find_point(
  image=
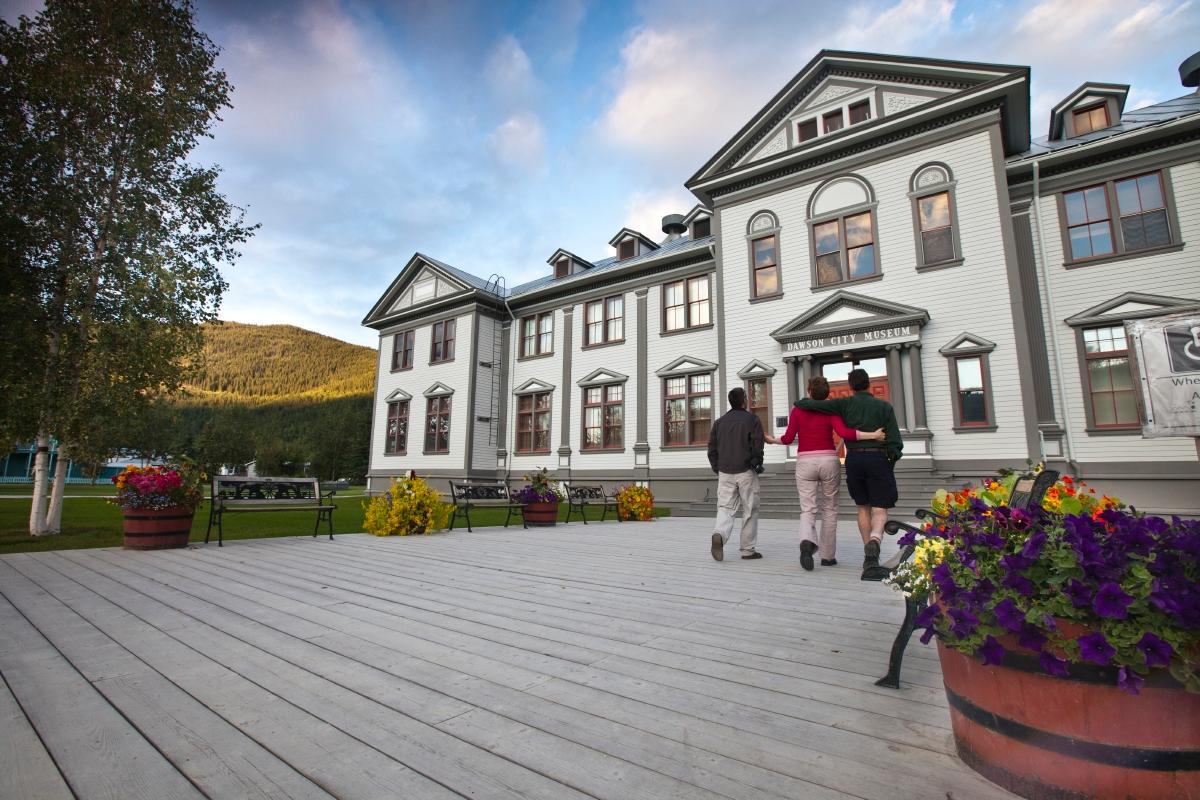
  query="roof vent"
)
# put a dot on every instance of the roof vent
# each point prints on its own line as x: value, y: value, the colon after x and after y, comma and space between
x: 673, y: 227
x: 1189, y: 70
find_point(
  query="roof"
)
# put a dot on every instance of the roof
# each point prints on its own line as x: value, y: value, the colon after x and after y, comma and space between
x: 673, y: 247
x: 1131, y: 121
x: 624, y: 232
x: 473, y: 281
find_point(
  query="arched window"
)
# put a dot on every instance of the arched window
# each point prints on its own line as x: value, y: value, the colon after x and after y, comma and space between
x: 935, y: 217
x: 765, y: 274
x: 844, y: 232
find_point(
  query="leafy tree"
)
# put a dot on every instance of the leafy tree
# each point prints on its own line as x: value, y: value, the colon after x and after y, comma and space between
x: 227, y: 439
x: 111, y: 238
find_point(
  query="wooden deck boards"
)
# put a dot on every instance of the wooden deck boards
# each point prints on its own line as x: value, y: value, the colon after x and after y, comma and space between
x: 608, y: 661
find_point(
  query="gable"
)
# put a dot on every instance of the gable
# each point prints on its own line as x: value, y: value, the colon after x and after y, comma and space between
x: 847, y: 319
x: 424, y: 281
x: 426, y: 285
x: 756, y: 369
x: 601, y: 376
x: 686, y: 365
x: 533, y: 386
x: 1131, y: 305
x: 967, y: 344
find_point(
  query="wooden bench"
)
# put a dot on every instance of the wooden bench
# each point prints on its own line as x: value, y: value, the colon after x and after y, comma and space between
x: 580, y: 497
x: 1027, y: 492
x: 234, y: 494
x: 482, y: 494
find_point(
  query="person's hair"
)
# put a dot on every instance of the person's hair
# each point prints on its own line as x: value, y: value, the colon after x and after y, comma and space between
x: 818, y: 387
x: 859, y: 380
x: 737, y: 397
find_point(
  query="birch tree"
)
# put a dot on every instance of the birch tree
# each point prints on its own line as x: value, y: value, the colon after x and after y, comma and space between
x: 112, y: 239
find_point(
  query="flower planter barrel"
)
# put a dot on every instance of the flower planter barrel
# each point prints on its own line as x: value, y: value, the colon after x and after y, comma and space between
x: 157, y: 528
x: 1077, y: 738
x: 542, y: 513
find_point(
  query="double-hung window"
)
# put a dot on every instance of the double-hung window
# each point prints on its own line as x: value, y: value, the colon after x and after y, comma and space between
x: 687, y: 410
x: 604, y: 322
x: 1086, y: 120
x: 604, y: 417
x: 396, y: 435
x: 1112, y: 399
x: 844, y: 249
x: 1118, y: 217
x: 437, y: 424
x: 686, y: 304
x: 533, y: 423
x: 537, y: 335
x: 1089, y: 226
x: 442, y: 347
x: 758, y: 400
x: 970, y: 391
x: 403, y: 344
x: 1143, y: 212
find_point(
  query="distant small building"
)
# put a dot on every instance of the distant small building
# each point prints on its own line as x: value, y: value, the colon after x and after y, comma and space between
x: 17, y: 466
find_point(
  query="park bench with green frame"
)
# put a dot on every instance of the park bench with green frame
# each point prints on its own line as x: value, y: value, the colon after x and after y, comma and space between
x: 233, y: 494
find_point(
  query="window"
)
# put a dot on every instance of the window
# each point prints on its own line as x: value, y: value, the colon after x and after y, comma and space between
x: 533, y: 423
x: 766, y: 266
x: 626, y: 249
x: 758, y: 401
x: 860, y: 112
x: 1143, y: 220
x: 686, y: 304
x: 701, y: 228
x: 537, y: 335
x: 1091, y: 119
x: 437, y: 425
x: 687, y: 410
x: 1088, y: 226
x: 395, y: 440
x: 1111, y: 396
x: 604, y: 417
x: 1143, y: 212
x: 845, y: 249
x: 937, y: 239
x: 562, y: 268
x: 442, y: 348
x: 969, y: 391
x: 832, y: 121
x: 605, y: 321
x: 402, y: 350
x: 806, y: 130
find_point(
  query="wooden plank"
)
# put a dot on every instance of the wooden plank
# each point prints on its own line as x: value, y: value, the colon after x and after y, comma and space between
x: 26, y: 769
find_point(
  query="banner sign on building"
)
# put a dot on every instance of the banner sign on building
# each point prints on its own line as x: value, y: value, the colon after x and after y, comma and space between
x: 1166, y: 354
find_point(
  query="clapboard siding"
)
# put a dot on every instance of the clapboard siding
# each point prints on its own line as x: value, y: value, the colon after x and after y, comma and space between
x: 620, y: 358
x: 547, y: 370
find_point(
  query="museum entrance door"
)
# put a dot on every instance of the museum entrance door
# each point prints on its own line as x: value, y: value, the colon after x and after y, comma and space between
x: 837, y: 372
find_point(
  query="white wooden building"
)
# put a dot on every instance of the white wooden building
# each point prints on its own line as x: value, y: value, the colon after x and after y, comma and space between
x: 900, y: 214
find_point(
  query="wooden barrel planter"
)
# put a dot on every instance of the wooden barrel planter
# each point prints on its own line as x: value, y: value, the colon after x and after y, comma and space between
x: 157, y: 528
x: 542, y: 513
x: 1074, y: 738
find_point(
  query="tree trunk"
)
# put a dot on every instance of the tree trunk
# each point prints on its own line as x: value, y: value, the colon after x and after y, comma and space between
x: 54, y: 513
x: 41, y: 466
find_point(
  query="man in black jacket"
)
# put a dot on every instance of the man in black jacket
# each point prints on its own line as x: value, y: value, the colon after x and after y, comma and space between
x: 735, y: 451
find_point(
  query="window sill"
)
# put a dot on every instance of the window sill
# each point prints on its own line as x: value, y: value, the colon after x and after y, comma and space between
x: 400, y: 369
x: 1146, y: 251
x: 830, y: 286
x: 531, y: 452
x: 598, y: 345
x: 692, y: 329
x: 974, y: 428
x: 1133, y: 430
x: 535, y: 357
x: 954, y: 262
x: 673, y: 447
x: 590, y: 450
x: 443, y: 361
x: 396, y: 453
x: 766, y: 298
x: 435, y: 452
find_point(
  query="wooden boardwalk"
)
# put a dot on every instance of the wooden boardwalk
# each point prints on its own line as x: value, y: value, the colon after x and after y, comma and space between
x: 606, y: 661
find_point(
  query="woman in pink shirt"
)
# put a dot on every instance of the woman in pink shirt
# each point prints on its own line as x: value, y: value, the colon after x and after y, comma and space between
x: 818, y: 472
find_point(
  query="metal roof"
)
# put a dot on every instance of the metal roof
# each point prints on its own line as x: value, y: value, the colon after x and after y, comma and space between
x: 473, y: 281
x: 680, y: 245
x: 1131, y: 121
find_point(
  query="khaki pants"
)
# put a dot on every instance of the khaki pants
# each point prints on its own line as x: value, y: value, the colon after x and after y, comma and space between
x: 817, y: 480
x: 738, y: 493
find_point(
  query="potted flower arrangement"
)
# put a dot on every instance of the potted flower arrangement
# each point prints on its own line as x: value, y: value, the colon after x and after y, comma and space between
x: 635, y: 503
x: 158, y: 504
x: 1069, y: 638
x: 540, y: 498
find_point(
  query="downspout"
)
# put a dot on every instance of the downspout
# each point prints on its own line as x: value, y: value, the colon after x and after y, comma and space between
x: 1064, y: 407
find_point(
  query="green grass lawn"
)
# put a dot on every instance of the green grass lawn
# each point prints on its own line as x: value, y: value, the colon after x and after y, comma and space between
x: 88, y: 520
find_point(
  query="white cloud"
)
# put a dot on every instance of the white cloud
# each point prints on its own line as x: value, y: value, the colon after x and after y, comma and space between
x: 508, y: 71
x: 900, y: 26
x: 519, y: 142
x: 647, y: 208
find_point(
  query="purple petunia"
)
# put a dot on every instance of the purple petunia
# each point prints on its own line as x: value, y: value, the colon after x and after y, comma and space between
x: 991, y: 651
x: 1008, y: 615
x: 965, y: 622
x: 1031, y: 637
x: 1157, y: 652
x: 1033, y: 546
x: 1129, y: 681
x: 1078, y: 593
x: 1053, y: 665
x: 1020, y: 583
x: 1112, y: 602
x: 928, y: 634
x: 1095, y: 648
x: 926, y: 616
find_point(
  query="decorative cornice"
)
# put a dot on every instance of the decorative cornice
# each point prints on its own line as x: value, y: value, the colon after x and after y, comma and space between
x: 756, y: 369
x: 1102, y: 313
x: 600, y: 377
x: 438, y: 389
x: 967, y: 344
x: 532, y: 386
x: 686, y: 365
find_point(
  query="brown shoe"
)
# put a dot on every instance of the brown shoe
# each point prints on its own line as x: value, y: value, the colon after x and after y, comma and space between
x: 718, y: 547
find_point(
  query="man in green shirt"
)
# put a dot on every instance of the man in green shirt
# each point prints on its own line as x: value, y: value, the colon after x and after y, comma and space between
x: 869, y: 474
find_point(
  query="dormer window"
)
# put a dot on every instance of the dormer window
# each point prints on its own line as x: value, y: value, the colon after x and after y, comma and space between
x: 1090, y: 119
x: 626, y: 249
x: 562, y: 267
x: 702, y: 227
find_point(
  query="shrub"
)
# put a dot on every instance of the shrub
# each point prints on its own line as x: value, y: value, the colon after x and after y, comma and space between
x: 635, y: 502
x: 410, y: 506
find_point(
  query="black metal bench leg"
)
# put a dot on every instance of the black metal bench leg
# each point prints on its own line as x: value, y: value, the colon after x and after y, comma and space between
x: 583, y: 512
x: 892, y: 679
x: 211, y: 508
x: 317, y: 524
x: 329, y: 519
x: 467, y: 515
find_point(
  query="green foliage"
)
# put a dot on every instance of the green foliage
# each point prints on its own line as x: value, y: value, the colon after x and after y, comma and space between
x: 410, y: 506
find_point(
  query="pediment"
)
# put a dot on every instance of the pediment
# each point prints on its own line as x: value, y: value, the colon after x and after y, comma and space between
x: 422, y: 281
x: 967, y: 344
x: 399, y: 394
x: 1131, y: 305
x: 756, y: 369
x: 686, y: 365
x: 438, y: 389
x: 601, y: 376
x: 844, y: 312
x: 534, y: 386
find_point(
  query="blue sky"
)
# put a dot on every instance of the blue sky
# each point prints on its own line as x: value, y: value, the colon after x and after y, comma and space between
x: 488, y: 134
